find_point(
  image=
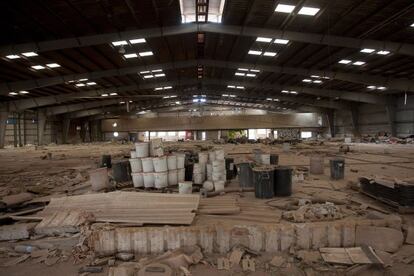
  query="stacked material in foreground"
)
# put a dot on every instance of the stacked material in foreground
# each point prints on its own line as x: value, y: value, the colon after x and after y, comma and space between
x: 129, y: 207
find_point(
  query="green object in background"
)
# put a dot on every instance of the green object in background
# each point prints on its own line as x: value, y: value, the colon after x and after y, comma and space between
x: 235, y: 134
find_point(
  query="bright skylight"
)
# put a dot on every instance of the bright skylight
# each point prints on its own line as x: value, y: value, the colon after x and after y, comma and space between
x: 281, y: 41
x: 251, y: 75
x: 284, y: 8
x: 13, y: 56
x: 52, y: 65
x: 29, y: 54
x: 148, y: 76
x: 371, y: 87
x: 120, y: 43
x: 412, y: 25
x: 159, y: 75
x: 80, y: 84
x: 359, y: 63
x: 344, y: 61
x: 133, y: 55
x: 13, y: 94
x: 240, y: 74
x: 91, y: 83
x: 269, y: 54
x: 256, y: 53
x: 255, y: 70
x: 308, y: 11
x: 104, y: 95
x: 38, y: 67
x: 137, y: 41
x: 113, y: 94
x: 263, y: 39
x: 383, y: 52
x: 368, y: 51
x: 145, y: 54
x: 242, y: 69
x: 24, y: 92
x: 317, y: 81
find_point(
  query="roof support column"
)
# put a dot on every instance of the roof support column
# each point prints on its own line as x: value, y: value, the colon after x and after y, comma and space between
x: 4, y: 115
x: 391, y: 119
x: 41, y: 127
x: 65, y: 130
x: 355, y: 121
x: 330, y: 116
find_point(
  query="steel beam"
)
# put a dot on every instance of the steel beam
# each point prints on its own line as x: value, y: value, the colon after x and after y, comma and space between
x: 312, y: 38
x: 56, y: 110
x: 4, y: 115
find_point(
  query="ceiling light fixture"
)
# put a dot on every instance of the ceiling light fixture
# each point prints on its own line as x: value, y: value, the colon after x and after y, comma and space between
x: 91, y: 83
x: 104, y: 95
x: 137, y: 41
x: 284, y: 8
x: 383, y: 52
x: 281, y: 41
x: 263, y: 39
x: 113, y: 94
x: 24, y: 92
x: 344, y: 61
x: 133, y: 55
x: 30, y: 54
x: 13, y: 56
x: 269, y: 54
x: 80, y: 84
x: 367, y: 50
x: 358, y: 63
x: 13, y: 93
x: 120, y: 43
x: 251, y: 75
x: 52, y: 65
x: 253, y: 52
x: 239, y: 74
x: 145, y: 54
x: 308, y: 11
x: 38, y: 67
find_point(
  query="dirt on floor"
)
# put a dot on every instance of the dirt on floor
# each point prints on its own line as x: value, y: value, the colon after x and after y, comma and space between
x: 53, y: 170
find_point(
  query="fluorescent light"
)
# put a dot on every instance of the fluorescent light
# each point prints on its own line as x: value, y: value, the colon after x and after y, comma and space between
x: 412, y: 25
x: 383, y: 52
x: 240, y: 74
x: 276, y: 100
x: 91, y: 83
x: 232, y: 96
x: 159, y: 75
x: 281, y: 41
x: 145, y: 54
x: 30, y: 54
x: 12, y: 56
x: 251, y: 75
x: 269, y: 54
x: 255, y: 70
x: 104, y: 95
x: 306, y: 80
x: 315, y: 76
x: 359, y: 63
x: 269, y: 99
x: 372, y: 87
x: 284, y: 8
x: 382, y: 88
x: 263, y: 39
x: 133, y: 55
x: 225, y: 95
x: 119, y: 43
x: 173, y: 96
x: 148, y: 76
x: 121, y: 102
x: 38, y: 67
x: 317, y: 81
x: 144, y: 72
x: 285, y: 91
x: 256, y: 53
x: 344, y: 61
x: 368, y: 51
x: 13, y: 93
x: 231, y: 86
x: 137, y: 41
x: 293, y: 92
x: 167, y: 87
x: 240, y: 87
x: 80, y: 84
x: 177, y: 102
x: 308, y: 11
x: 242, y: 69
x: 82, y: 79
x: 52, y: 65
x: 113, y: 94
x: 156, y: 70
x: 24, y: 92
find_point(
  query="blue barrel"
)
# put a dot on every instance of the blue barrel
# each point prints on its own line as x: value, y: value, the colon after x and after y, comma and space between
x: 263, y: 182
x: 337, y: 165
x: 245, y: 174
x: 283, y: 181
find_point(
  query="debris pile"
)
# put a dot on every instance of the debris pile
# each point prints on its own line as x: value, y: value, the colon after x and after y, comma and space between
x: 314, y: 212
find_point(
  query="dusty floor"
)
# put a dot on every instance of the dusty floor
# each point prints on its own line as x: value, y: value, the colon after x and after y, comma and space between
x: 29, y: 169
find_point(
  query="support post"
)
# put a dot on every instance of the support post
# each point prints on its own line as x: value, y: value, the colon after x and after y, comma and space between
x: 41, y: 127
x: 355, y: 121
x: 4, y: 115
x: 65, y: 130
x: 330, y: 115
x: 391, y: 110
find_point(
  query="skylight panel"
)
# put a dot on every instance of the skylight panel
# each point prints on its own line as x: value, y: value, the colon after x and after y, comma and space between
x: 263, y: 39
x: 308, y: 11
x: 317, y: 81
x: 156, y: 70
x: 359, y: 63
x: 383, y: 52
x: 285, y: 91
x: 231, y: 86
x: 371, y: 87
x: 38, y: 67
x: 144, y: 72
x: 145, y: 54
x: 255, y: 70
x: 240, y: 87
x: 284, y: 8
x: 382, y: 88
x: 253, y: 52
x: 52, y: 65
x: 13, y: 94
x: 412, y: 25
x: 23, y: 92
x: 91, y: 83
x: 137, y: 41
x: 269, y: 54
x: 159, y: 88
x: 12, y: 56
x: 148, y: 76
x: 242, y: 69
x: 251, y: 75
x: 293, y: 92
x: 239, y: 74
x: 80, y: 84
x: 306, y: 80
x: 168, y: 87
x: 120, y: 43
x: 281, y: 41
x: 104, y: 95
x: 159, y: 75
x: 113, y: 94
x: 30, y: 54
x: 344, y: 61
x: 132, y: 55
x: 367, y: 50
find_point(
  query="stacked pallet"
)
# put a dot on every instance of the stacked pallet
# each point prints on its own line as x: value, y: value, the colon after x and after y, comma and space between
x: 128, y: 207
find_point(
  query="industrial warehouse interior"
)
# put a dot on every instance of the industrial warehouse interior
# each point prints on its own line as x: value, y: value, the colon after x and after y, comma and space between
x: 206, y: 137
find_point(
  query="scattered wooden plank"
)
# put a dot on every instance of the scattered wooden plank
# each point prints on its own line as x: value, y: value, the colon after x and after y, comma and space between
x: 24, y: 212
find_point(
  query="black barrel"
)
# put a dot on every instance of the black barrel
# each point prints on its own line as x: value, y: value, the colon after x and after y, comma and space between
x: 263, y: 182
x: 283, y: 181
x: 245, y: 174
x: 189, y: 172
x: 274, y: 159
x: 229, y: 168
x: 106, y: 161
x: 337, y: 165
x: 121, y: 171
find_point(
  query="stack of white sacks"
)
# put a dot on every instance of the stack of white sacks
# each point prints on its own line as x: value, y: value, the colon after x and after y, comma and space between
x: 210, y: 171
x: 152, y: 169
